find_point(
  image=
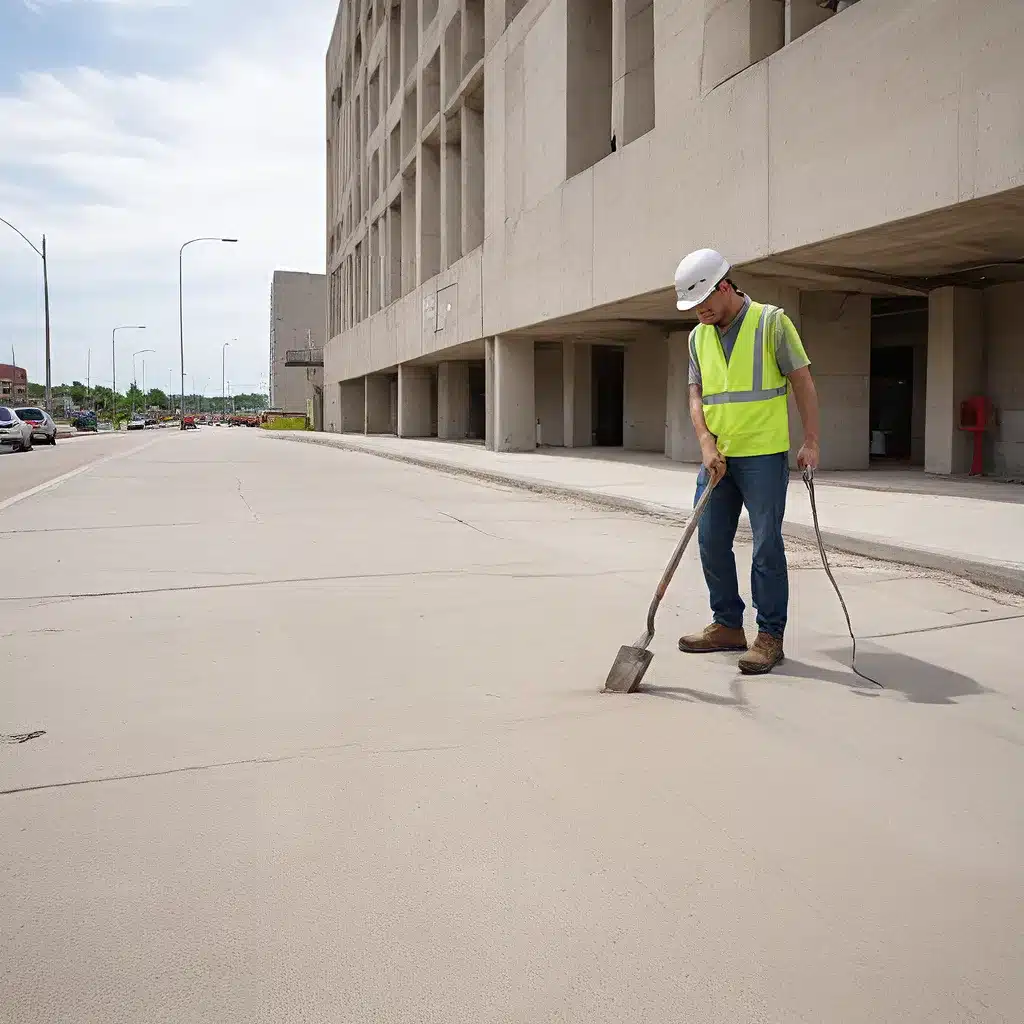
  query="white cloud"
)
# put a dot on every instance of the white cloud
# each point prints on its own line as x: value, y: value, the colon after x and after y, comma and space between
x: 120, y: 170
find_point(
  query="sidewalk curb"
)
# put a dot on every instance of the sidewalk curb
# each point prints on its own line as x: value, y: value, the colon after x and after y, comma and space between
x: 984, y: 574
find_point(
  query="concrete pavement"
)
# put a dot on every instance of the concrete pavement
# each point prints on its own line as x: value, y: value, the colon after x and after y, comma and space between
x: 970, y: 528
x: 324, y: 742
x: 21, y: 471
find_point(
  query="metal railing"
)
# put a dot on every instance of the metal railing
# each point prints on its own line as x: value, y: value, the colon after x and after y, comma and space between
x: 304, y: 357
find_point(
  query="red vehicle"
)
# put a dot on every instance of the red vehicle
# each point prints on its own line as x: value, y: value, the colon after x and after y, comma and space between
x: 189, y: 423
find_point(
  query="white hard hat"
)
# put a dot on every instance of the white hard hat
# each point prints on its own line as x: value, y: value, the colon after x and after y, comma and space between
x: 697, y: 276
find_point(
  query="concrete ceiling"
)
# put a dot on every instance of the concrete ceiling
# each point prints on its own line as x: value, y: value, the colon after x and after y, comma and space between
x: 978, y: 243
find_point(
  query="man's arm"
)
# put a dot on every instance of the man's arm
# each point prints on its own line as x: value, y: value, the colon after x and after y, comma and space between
x: 711, y: 457
x: 807, y: 405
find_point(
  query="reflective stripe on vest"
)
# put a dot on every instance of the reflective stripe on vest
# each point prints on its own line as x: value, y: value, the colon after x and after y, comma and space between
x: 747, y: 417
x: 755, y: 394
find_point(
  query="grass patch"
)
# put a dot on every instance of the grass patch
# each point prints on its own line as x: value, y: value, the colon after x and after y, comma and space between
x: 286, y: 423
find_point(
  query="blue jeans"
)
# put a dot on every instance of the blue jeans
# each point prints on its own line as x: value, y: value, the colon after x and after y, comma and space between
x: 759, y: 482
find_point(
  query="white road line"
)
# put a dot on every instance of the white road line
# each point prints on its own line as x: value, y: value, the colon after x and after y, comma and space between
x: 58, y: 480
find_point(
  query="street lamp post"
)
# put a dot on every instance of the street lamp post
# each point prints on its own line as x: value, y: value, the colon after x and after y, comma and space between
x: 41, y: 253
x: 181, y: 311
x: 113, y: 366
x: 134, y: 354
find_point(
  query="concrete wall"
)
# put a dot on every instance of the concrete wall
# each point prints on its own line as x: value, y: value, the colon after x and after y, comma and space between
x: 645, y: 372
x: 298, y: 319
x: 1005, y: 376
x: 847, y: 127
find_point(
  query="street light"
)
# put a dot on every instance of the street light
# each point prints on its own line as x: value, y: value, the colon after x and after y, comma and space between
x: 41, y: 253
x: 113, y: 366
x: 223, y: 392
x: 134, y: 354
x: 181, y: 318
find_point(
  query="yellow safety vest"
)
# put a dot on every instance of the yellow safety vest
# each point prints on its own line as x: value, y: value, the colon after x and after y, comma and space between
x: 745, y: 398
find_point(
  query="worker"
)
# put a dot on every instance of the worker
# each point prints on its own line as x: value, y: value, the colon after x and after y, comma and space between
x: 744, y: 359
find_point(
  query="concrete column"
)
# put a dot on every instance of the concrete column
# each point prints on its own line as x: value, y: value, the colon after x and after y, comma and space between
x: 956, y: 370
x: 737, y: 34
x: 414, y: 394
x: 802, y: 16
x: 377, y: 407
x: 515, y: 416
x: 1004, y: 366
x: 453, y: 401
x: 836, y: 330
x: 472, y: 177
x: 680, y: 440
x: 352, y: 405
x: 583, y: 398
x: 548, y: 392
x: 569, y: 394
x: 490, y: 438
x: 645, y: 377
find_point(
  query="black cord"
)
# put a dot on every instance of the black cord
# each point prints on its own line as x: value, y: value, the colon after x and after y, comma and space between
x: 809, y: 481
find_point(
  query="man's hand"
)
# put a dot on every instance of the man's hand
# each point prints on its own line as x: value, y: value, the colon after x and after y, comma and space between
x: 712, y: 458
x: 809, y: 455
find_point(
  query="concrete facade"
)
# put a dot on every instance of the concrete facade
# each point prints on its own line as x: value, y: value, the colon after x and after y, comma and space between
x: 297, y: 321
x: 505, y: 174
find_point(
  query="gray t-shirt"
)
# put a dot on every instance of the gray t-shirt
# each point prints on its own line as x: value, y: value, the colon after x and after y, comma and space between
x: 786, y: 344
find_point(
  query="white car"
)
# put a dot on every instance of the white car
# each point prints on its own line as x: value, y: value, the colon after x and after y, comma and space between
x: 137, y: 423
x: 14, y: 431
x: 41, y: 423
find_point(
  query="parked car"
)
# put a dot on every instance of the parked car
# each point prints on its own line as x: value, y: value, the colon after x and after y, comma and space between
x: 189, y: 423
x: 41, y: 422
x: 14, y: 431
x: 137, y: 423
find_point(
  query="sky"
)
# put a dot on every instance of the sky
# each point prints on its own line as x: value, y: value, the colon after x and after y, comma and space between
x: 128, y: 127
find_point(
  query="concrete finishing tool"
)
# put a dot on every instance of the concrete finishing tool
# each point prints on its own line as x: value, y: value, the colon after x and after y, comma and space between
x: 631, y: 663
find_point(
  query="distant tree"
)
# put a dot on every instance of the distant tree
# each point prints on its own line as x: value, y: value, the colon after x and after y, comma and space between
x: 157, y: 399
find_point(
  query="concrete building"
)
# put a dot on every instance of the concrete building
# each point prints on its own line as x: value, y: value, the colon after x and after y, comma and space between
x: 13, y: 385
x: 298, y: 303
x: 512, y: 182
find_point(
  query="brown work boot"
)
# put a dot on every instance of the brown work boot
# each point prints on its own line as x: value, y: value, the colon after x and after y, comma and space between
x: 715, y: 637
x: 765, y: 653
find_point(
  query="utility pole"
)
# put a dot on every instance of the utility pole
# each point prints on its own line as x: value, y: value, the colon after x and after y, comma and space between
x: 46, y: 301
x: 181, y: 311
x: 46, y: 307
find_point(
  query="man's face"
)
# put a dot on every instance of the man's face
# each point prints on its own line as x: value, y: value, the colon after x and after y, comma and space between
x: 715, y: 308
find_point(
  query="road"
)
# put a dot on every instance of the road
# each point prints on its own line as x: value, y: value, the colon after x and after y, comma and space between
x: 324, y: 742
x: 21, y: 471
